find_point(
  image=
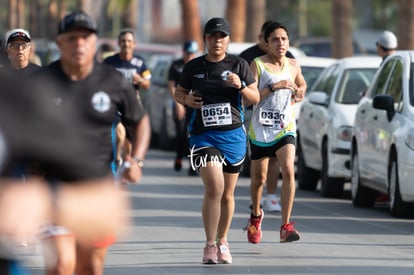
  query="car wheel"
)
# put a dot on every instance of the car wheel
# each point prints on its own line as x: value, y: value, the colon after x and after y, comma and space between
x: 307, y: 177
x: 330, y: 187
x: 398, y: 207
x: 361, y: 196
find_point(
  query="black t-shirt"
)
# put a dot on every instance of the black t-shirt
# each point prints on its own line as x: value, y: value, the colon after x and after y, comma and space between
x: 254, y: 51
x: 25, y: 72
x: 32, y: 130
x: 207, y: 79
x: 251, y: 53
x: 128, y: 68
x: 175, y: 70
x: 101, y: 100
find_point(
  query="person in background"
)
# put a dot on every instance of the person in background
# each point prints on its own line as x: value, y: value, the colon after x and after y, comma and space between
x: 131, y: 65
x: 214, y: 87
x: 190, y: 50
x: 134, y: 69
x: 18, y: 47
x: 386, y: 44
x: 272, y: 129
x: 105, y: 50
x: 99, y: 94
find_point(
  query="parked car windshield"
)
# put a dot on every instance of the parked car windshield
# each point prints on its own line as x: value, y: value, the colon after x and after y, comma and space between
x: 353, y: 85
x: 311, y: 74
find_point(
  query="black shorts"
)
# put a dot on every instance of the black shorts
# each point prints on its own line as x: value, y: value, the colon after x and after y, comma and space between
x: 258, y: 152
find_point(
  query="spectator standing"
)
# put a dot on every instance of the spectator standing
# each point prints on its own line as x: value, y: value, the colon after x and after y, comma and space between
x: 219, y: 83
x: 386, y: 44
x: 190, y: 50
x: 100, y: 94
x: 272, y: 130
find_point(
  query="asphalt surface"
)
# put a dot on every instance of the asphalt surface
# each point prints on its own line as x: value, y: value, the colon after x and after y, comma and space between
x: 167, y: 235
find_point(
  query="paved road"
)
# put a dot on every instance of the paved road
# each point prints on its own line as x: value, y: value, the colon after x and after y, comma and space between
x: 167, y: 234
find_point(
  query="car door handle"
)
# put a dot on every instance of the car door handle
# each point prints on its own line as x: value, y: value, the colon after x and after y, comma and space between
x: 311, y: 115
x: 363, y: 111
x: 375, y: 117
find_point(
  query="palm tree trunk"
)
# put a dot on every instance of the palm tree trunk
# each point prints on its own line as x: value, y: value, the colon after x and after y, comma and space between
x: 406, y: 24
x: 12, y: 14
x: 53, y: 18
x: 130, y: 14
x: 255, y: 17
x: 342, y: 34
x: 191, y: 21
x: 236, y: 15
x: 21, y: 12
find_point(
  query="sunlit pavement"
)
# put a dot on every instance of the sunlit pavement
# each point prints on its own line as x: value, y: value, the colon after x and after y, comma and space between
x: 167, y: 236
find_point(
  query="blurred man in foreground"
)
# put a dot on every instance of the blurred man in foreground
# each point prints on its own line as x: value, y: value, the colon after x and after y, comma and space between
x: 32, y: 129
x: 102, y: 98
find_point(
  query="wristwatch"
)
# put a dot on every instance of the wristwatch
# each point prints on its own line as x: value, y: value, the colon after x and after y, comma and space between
x: 270, y: 87
x: 138, y: 161
x: 243, y: 85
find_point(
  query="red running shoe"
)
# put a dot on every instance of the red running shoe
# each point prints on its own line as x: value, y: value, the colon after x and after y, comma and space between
x: 254, y: 229
x: 288, y: 233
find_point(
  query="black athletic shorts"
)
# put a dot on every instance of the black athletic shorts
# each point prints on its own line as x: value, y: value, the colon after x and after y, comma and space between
x: 258, y: 152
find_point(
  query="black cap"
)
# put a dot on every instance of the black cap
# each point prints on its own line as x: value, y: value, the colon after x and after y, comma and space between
x: 77, y: 20
x: 217, y: 24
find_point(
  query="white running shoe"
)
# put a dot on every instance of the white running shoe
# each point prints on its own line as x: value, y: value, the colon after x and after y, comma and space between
x: 272, y: 204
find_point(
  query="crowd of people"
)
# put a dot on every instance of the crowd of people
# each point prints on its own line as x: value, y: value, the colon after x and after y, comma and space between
x: 65, y: 164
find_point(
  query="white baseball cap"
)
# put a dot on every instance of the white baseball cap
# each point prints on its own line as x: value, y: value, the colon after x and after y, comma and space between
x: 15, y: 33
x: 388, y: 40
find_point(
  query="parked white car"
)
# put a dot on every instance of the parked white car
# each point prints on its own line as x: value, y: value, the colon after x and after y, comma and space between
x: 383, y: 140
x: 312, y: 68
x: 325, y: 124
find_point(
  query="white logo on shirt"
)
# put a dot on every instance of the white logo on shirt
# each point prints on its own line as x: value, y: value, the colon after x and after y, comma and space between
x: 101, y: 101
